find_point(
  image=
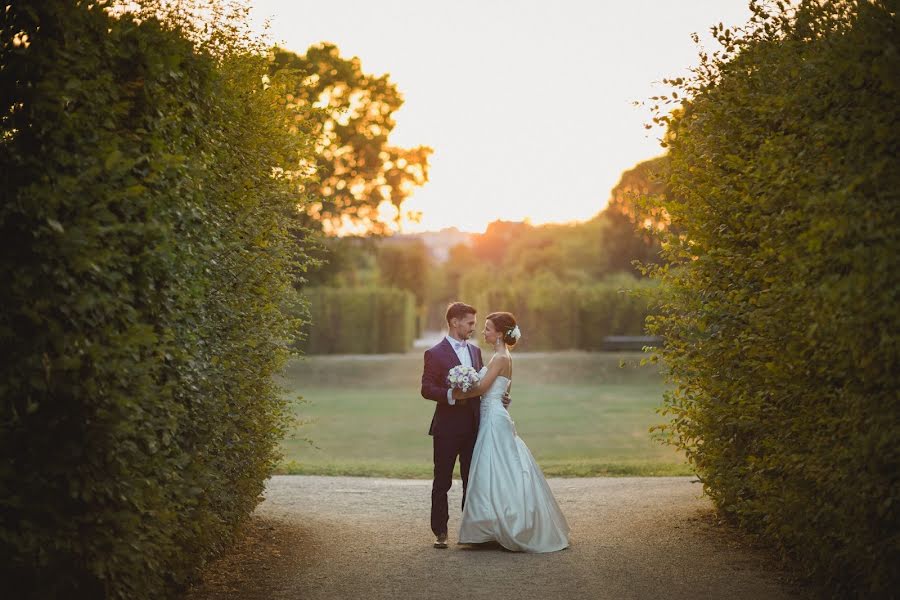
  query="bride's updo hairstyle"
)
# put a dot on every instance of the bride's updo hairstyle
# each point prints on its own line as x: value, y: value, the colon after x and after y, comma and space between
x: 505, y: 322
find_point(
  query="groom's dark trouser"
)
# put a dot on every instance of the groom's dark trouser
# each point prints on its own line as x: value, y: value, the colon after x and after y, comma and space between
x: 446, y: 449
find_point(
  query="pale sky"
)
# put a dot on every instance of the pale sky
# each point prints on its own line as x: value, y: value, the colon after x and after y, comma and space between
x: 528, y: 105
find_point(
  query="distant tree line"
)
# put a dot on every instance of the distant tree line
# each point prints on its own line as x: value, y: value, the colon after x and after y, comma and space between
x: 603, y: 253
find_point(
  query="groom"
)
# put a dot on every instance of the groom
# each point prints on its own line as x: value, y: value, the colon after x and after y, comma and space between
x: 454, y: 426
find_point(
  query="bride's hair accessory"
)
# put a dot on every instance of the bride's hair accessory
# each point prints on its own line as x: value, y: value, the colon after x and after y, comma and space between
x: 506, y: 323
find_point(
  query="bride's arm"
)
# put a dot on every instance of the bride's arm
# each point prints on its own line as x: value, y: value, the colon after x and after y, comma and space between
x: 486, y: 381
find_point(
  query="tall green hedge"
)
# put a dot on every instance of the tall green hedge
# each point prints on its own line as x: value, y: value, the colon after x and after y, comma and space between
x: 561, y: 316
x: 145, y: 247
x: 359, y: 320
x: 781, y: 321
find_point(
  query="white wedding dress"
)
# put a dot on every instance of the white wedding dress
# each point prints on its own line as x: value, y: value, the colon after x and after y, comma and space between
x: 507, y: 498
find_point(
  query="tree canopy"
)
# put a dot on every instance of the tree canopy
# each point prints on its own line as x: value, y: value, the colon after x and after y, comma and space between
x: 356, y: 168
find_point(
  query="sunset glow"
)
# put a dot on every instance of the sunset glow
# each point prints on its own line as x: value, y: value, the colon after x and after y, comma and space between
x: 527, y: 105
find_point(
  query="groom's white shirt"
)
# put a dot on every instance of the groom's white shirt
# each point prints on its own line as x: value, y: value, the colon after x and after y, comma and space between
x: 462, y: 351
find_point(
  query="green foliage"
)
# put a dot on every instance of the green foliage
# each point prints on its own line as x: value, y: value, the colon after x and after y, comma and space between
x: 562, y: 256
x: 572, y: 253
x: 781, y: 317
x: 356, y: 168
x: 647, y: 178
x: 563, y: 316
x: 632, y: 215
x: 344, y: 261
x: 147, y: 244
x: 404, y: 265
x: 359, y: 320
x: 618, y: 305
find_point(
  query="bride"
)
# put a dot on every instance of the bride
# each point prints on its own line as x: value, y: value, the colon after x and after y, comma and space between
x: 508, y: 499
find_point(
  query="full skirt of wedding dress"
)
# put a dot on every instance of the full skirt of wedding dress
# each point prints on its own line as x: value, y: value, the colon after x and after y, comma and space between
x: 507, y: 497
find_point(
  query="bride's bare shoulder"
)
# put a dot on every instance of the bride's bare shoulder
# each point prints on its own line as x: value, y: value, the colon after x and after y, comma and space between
x: 504, y: 364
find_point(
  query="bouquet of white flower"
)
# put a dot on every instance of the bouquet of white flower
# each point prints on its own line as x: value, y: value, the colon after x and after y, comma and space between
x: 463, y: 378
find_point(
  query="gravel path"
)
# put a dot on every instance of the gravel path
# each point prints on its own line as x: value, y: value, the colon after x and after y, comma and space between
x: 347, y: 537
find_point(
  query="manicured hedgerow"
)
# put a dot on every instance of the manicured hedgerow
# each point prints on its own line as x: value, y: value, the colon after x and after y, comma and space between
x: 146, y: 246
x: 780, y: 316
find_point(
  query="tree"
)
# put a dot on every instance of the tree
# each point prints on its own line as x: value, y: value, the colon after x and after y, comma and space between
x: 491, y: 246
x: 404, y: 265
x: 345, y: 261
x: 633, y: 215
x: 569, y: 252
x: 356, y: 167
x: 646, y: 180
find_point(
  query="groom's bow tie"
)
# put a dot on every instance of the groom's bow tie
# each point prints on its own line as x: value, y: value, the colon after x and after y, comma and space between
x: 457, y: 345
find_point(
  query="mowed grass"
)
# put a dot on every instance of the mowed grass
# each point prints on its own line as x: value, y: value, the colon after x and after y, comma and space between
x: 581, y: 414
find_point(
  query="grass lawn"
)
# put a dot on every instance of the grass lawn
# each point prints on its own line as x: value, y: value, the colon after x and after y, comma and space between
x: 580, y: 413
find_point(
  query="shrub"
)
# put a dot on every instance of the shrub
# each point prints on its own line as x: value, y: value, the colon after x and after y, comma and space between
x: 146, y: 248
x: 359, y: 320
x: 615, y: 306
x: 558, y: 316
x: 781, y: 317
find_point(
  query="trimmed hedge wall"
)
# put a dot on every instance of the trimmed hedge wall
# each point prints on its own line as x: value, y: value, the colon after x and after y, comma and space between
x: 144, y: 250
x: 781, y: 310
x: 363, y: 320
x: 556, y: 316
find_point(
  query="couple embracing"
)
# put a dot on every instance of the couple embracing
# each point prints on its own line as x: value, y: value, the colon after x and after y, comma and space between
x: 505, y: 496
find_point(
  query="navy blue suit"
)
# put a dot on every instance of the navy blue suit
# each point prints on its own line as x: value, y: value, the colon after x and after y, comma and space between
x: 453, y: 428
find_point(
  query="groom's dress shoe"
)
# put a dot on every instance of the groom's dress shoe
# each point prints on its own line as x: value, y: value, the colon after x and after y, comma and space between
x: 441, y: 541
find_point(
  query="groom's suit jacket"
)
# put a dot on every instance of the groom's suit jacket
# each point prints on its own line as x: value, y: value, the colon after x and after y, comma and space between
x: 459, y: 419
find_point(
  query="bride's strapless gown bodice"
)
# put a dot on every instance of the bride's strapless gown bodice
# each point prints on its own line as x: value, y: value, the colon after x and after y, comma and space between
x: 493, y: 398
x: 507, y: 498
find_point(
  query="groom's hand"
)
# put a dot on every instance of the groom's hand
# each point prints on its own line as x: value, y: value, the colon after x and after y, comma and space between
x: 457, y: 395
x: 506, y: 400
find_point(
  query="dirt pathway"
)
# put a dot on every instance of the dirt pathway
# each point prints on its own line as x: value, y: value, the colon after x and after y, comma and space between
x: 345, y: 537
